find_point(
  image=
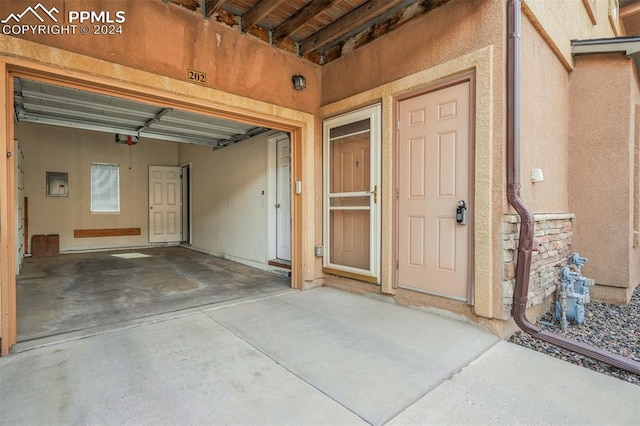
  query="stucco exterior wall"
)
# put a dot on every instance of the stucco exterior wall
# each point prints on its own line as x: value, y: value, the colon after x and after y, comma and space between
x: 61, y: 149
x: 601, y: 164
x: 634, y: 208
x: 459, y: 37
x: 446, y: 33
x: 559, y: 22
x: 544, y: 124
x: 229, y: 193
x: 165, y: 39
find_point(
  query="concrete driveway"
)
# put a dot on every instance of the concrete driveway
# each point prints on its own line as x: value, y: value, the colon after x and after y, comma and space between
x: 320, y: 357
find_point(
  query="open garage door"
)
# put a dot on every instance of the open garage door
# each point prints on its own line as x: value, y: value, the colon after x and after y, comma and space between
x: 74, y: 132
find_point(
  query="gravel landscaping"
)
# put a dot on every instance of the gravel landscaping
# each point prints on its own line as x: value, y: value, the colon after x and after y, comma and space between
x: 610, y: 327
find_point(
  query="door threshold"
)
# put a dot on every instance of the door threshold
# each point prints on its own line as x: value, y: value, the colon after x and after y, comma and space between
x: 280, y: 263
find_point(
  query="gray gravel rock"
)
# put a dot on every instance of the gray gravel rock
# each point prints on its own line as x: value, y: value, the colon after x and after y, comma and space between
x: 607, y: 326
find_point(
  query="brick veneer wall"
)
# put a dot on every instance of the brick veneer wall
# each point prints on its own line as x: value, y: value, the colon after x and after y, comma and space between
x: 554, y: 231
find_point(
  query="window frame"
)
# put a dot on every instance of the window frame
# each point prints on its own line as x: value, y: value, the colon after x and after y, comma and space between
x: 115, y: 207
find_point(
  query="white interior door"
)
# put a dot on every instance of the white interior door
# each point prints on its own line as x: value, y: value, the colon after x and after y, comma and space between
x: 164, y: 204
x: 185, y: 202
x: 20, y: 213
x: 433, y: 247
x: 283, y: 200
x: 351, y: 181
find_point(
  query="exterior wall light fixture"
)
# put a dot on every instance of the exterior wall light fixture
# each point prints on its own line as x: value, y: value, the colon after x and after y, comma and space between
x: 299, y: 82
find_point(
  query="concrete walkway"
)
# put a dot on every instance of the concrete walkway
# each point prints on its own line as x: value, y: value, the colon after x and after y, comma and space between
x: 304, y: 358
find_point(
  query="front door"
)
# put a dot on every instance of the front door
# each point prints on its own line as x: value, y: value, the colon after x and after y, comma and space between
x: 164, y: 205
x: 433, y: 182
x: 352, y: 210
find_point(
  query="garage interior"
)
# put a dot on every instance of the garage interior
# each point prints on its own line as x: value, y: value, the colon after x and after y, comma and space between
x: 201, y: 48
x: 231, y: 239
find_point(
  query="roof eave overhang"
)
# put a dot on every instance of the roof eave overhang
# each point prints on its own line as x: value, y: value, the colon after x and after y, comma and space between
x: 626, y: 45
x: 629, y: 46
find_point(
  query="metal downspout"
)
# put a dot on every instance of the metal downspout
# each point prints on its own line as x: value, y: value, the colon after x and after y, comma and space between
x: 526, y: 240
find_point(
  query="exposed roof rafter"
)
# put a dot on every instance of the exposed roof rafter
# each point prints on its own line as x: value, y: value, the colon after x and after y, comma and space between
x: 318, y: 30
x: 300, y: 18
x: 259, y: 11
x: 346, y: 24
x: 211, y: 7
x: 189, y: 4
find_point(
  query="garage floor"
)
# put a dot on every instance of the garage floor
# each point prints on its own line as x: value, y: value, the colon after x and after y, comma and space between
x: 81, y: 291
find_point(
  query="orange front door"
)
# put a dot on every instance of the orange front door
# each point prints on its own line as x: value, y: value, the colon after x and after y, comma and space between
x: 433, y: 248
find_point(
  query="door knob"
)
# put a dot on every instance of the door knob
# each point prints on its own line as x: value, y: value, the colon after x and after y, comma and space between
x: 375, y: 194
x: 277, y: 206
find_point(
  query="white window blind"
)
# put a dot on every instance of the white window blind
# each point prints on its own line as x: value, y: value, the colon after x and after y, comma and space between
x: 105, y: 188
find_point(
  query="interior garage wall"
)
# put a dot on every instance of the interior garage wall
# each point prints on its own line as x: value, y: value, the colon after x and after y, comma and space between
x: 229, y: 192
x: 58, y: 149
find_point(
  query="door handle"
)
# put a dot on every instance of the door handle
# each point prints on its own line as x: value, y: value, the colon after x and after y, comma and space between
x: 277, y: 206
x: 461, y: 212
x: 375, y: 194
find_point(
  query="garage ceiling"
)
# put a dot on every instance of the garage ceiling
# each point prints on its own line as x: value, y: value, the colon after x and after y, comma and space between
x: 37, y: 102
x: 318, y: 30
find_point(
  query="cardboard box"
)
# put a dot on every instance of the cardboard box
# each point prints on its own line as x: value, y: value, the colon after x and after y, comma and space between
x: 45, y: 245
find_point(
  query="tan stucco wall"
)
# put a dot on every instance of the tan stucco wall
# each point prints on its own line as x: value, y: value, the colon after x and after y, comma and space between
x: 61, y: 149
x: 559, y: 22
x: 634, y: 207
x: 544, y: 124
x: 601, y: 103
x: 165, y: 39
x: 446, y: 33
x: 601, y: 165
x: 460, y: 36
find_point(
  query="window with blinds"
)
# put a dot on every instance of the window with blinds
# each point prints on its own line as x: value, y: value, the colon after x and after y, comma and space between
x: 105, y: 188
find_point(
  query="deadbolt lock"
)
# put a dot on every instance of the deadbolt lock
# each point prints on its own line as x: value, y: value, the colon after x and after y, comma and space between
x: 461, y: 212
